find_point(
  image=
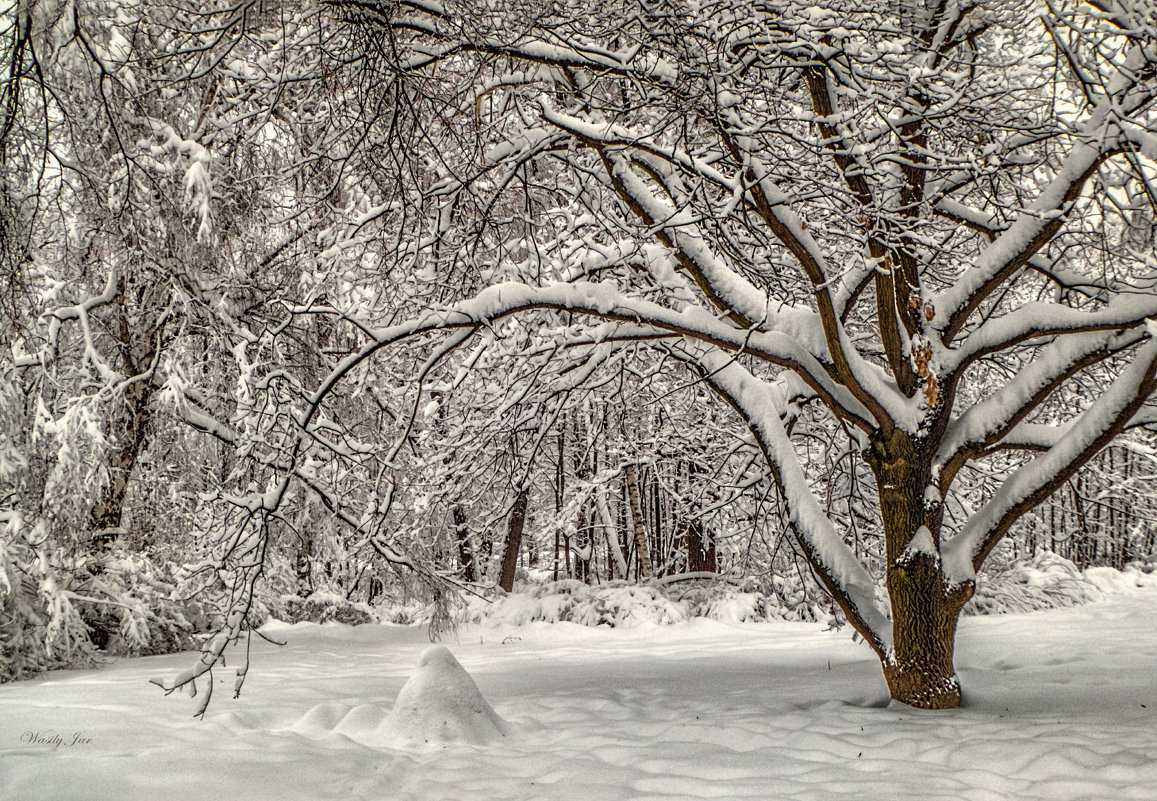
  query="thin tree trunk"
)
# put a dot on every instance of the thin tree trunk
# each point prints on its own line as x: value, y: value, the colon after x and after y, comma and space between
x: 559, y: 478
x: 513, y: 541
x: 637, y: 521
x: 303, y: 566
x: 1081, y: 552
x: 618, y: 562
x: 462, y: 539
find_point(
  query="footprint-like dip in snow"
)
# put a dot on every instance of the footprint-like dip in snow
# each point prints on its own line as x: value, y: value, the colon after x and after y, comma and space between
x: 439, y: 704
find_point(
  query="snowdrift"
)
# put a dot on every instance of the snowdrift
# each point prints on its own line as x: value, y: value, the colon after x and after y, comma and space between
x: 439, y: 704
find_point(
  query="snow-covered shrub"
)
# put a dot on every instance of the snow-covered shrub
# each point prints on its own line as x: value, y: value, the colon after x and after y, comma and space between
x: 66, y: 598
x: 672, y: 600
x: 143, y: 616
x: 616, y: 604
x: 60, y: 609
x: 749, y: 600
x: 400, y: 615
x: 1011, y: 584
x: 321, y: 607
x: 1044, y: 581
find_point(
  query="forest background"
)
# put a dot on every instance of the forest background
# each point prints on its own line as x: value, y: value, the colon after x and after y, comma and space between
x: 353, y: 309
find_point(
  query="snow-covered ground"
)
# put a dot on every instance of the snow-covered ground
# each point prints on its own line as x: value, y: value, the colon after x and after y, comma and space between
x: 1061, y: 705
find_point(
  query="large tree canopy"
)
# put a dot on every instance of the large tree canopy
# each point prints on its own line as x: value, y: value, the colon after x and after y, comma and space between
x: 924, y: 218
x: 913, y: 226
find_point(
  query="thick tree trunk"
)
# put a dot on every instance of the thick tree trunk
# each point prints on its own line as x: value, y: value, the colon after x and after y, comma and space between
x: 139, y: 340
x: 106, y: 516
x: 109, y: 509
x: 557, y: 551
x: 919, y: 670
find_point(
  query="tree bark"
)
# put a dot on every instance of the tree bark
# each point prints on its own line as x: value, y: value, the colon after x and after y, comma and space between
x: 462, y: 539
x: 641, y: 550
x: 303, y: 565
x: 559, y: 480
x: 616, y: 561
x: 919, y: 670
x: 108, y: 511
x: 701, y: 556
x: 513, y: 541
x: 139, y: 342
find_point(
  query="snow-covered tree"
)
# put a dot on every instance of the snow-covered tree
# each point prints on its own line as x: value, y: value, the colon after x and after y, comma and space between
x: 384, y: 253
x: 903, y: 214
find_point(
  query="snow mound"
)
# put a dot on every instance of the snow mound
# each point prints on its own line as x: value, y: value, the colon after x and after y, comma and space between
x: 320, y: 720
x: 440, y: 703
x: 1112, y: 581
x: 364, y: 723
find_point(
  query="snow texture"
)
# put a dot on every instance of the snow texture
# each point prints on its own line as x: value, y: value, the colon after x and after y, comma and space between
x: 1060, y: 706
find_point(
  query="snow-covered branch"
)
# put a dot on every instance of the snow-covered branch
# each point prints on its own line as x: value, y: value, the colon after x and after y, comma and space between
x: 1105, y: 418
x: 835, y: 564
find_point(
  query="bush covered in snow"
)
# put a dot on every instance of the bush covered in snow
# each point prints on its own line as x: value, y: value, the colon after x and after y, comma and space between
x: 1044, y: 581
x: 673, y: 600
x: 60, y: 609
x: 1048, y: 581
x: 569, y: 601
x: 751, y: 600
x: 321, y: 607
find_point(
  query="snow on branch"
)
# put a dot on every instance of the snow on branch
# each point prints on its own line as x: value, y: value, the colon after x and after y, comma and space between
x: 1032, y: 228
x: 1025, y: 488
x: 988, y: 225
x: 605, y: 301
x: 990, y: 421
x: 833, y: 560
x: 1042, y: 320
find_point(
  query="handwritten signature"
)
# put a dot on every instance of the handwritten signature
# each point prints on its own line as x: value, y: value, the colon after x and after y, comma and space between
x: 55, y: 739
